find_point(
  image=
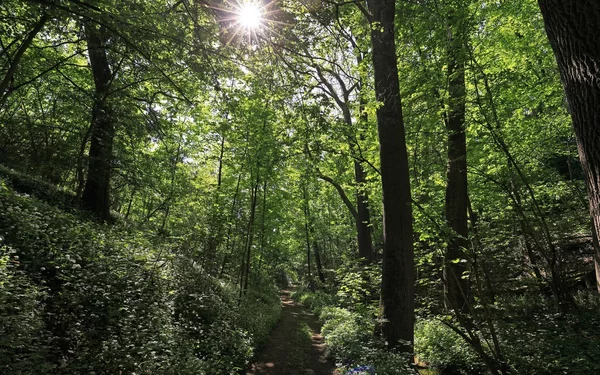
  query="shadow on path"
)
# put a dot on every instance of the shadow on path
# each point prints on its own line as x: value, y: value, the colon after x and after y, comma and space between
x: 296, y: 346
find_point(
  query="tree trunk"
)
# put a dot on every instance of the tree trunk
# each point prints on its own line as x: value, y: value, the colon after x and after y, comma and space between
x: 310, y: 234
x: 573, y: 27
x: 318, y: 263
x: 398, y: 278
x: 5, y: 84
x: 361, y: 213
x: 363, y: 217
x: 456, y: 287
x: 363, y: 221
x: 246, y: 265
x: 307, y: 230
x: 96, y: 195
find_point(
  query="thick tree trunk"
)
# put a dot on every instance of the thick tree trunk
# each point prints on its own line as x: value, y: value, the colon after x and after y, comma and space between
x: 96, y: 195
x: 398, y: 278
x: 573, y: 27
x: 456, y: 287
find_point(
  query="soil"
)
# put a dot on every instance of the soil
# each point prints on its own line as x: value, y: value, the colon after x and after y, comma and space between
x: 296, y: 346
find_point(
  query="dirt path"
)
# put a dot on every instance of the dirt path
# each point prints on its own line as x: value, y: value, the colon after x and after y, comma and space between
x: 295, y: 346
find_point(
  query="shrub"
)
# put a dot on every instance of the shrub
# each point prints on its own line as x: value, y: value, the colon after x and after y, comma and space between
x: 42, y: 190
x: 443, y: 349
x: 78, y: 297
x: 260, y: 311
x: 350, y: 341
x: 358, y: 286
x: 349, y: 336
x: 316, y: 301
x: 537, y: 338
x: 21, y: 350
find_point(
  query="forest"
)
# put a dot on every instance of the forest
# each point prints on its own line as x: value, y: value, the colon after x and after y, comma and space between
x: 421, y: 175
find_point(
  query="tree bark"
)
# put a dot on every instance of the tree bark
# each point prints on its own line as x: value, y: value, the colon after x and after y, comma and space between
x: 309, y: 227
x: 363, y: 218
x: 96, y: 194
x: 254, y: 203
x: 456, y: 287
x: 573, y: 27
x: 398, y: 278
x: 318, y: 261
x: 307, y: 230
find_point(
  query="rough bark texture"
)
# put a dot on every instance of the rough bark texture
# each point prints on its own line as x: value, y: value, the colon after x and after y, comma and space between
x: 397, y: 290
x: 573, y: 27
x: 96, y: 194
x: 456, y: 289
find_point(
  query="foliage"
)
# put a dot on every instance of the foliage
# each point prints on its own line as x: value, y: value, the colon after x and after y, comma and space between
x: 27, y: 184
x: 316, y: 301
x: 80, y: 298
x: 443, y: 349
x: 221, y: 142
x: 358, y: 286
x: 540, y: 339
x: 349, y: 337
x: 21, y: 347
x: 262, y: 309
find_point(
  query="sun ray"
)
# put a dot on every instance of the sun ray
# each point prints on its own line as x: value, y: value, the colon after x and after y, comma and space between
x: 249, y: 16
x: 251, y: 20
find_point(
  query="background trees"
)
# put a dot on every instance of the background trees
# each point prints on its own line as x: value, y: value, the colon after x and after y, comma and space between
x: 222, y: 164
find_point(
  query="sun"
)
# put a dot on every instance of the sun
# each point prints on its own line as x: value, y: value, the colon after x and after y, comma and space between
x: 249, y: 15
x: 250, y: 20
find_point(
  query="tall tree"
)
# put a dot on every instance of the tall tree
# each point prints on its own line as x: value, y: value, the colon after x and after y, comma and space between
x: 96, y: 196
x: 398, y: 278
x: 572, y: 27
x: 455, y: 284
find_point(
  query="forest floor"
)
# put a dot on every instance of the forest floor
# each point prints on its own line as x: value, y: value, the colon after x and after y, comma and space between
x: 296, y: 346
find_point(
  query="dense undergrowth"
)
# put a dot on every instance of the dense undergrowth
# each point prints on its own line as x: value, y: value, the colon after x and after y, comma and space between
x: 347, y: 309
x: 535, y: 337
x: 77, y: 297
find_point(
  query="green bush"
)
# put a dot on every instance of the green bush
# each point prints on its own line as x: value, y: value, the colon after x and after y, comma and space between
x: 358, y: 286
x: 350, y: 341
x: 21, y: 350
x: 537, y: 338
x: 78, y: 297
x: 261, y: 311
x: 344, y: 336
x: 315, y: 301
x: 443, y: 349
x: 40, y: 189
x: 349, y: 335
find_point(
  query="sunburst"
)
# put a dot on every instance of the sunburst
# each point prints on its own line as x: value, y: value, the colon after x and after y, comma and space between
x: 250, y: 16
x: 248, y: 20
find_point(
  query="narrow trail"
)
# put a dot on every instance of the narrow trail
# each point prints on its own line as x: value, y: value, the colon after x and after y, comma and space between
x: 296, y: 346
